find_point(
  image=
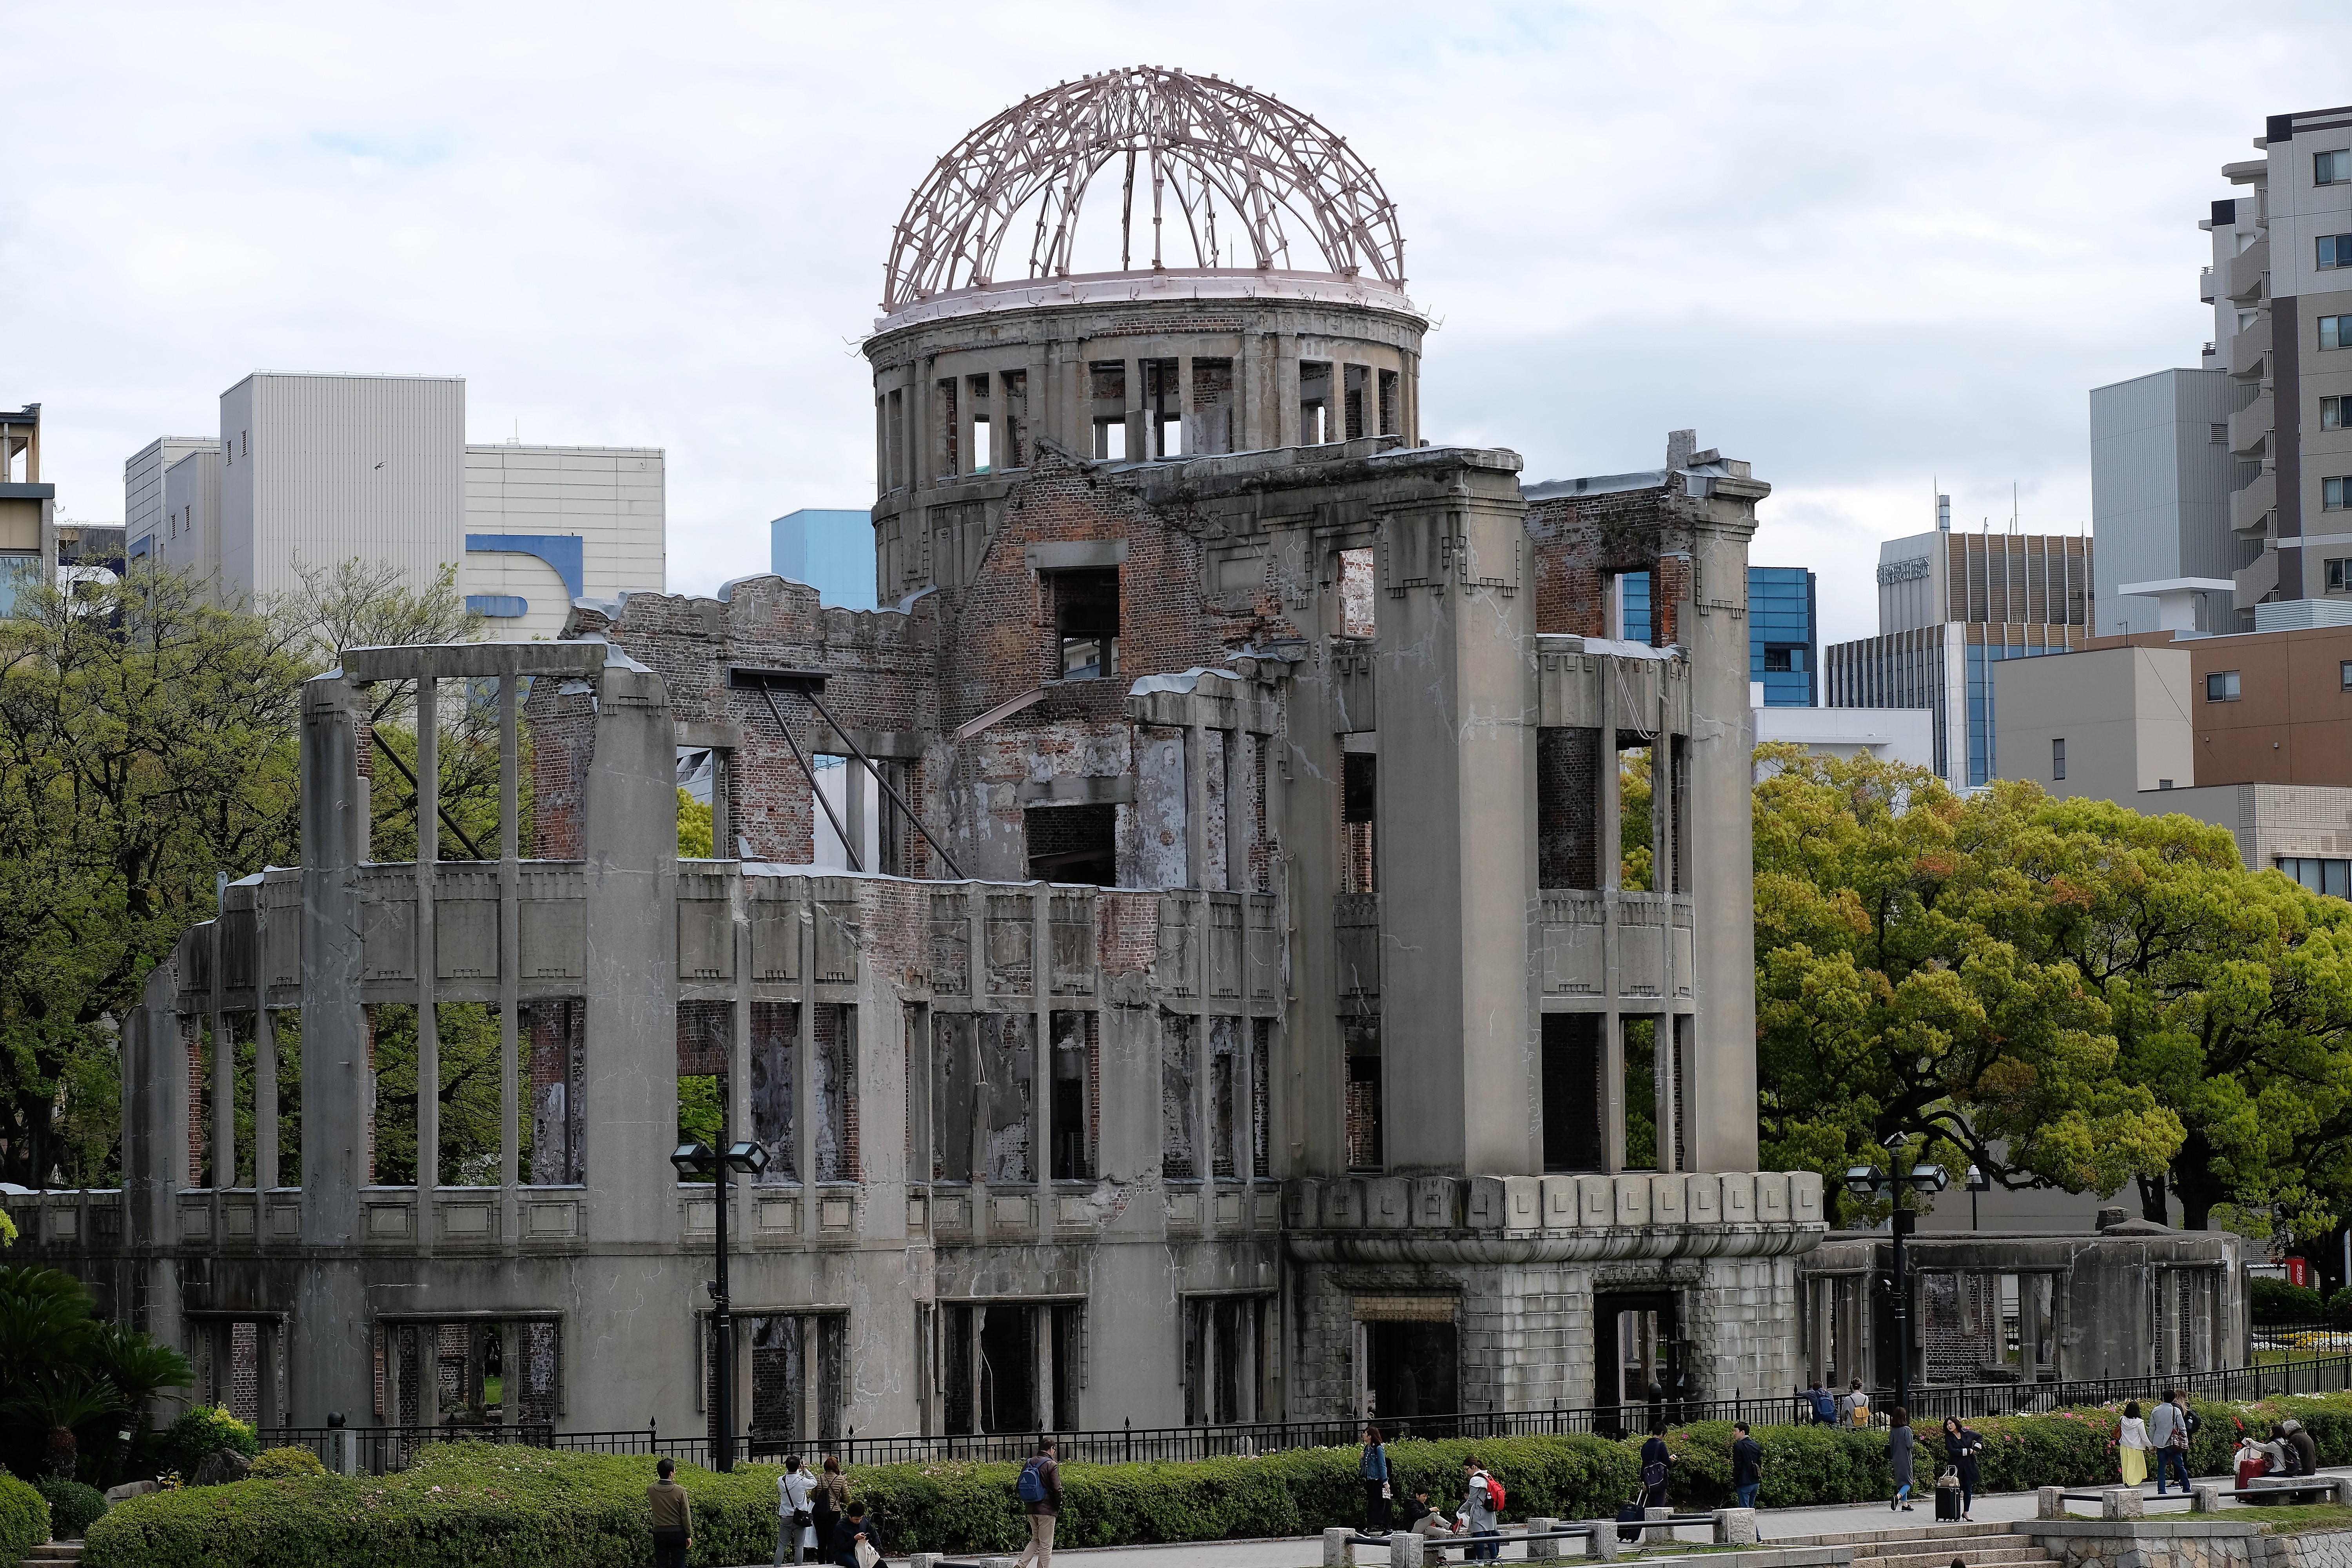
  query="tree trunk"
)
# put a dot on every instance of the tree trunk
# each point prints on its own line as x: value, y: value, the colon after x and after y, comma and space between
x: 62, y: 1458
x: 2154, y: 1203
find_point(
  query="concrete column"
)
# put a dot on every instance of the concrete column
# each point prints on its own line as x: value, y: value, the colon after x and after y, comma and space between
x: 1249, y: 398
x: 1339, y: 1547
x: 511, y: 1109
x: 1040, y: 401
x: 1184, y: 404
x: 1600, y: 1540
x: 1196, y: 810
x: 805, y: 1107
x: 264, y: 1073
x: 919, y: 394
x: 222, y: 1069
x: 429, y: 1037
x: 1284, y: 391
x: 328, y: 1357
x: 1136, y: 446
x: 1041, y: 1069
x: 1454, y: 819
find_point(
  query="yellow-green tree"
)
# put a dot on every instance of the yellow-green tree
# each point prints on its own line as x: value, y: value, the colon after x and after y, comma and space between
x: 2060, y: 992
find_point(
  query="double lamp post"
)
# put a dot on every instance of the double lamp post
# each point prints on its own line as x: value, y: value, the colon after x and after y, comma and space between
x: 1870, y: 1181
x: 695, y: 1161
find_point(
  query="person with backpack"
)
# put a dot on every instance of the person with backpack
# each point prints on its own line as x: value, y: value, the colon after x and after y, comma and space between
x: 1825, y: 1412
x: 2170, y: 1429
x: 1372, y: 1469
x: 1040, y: 1490
x: 1857, y: 1405
x: 1482, y: 1508
x: 825, y: 1503
x: 795, y: 1524
x: 1656, y: 1460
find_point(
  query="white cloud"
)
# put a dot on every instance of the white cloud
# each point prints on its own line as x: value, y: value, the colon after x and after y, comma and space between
x: 1860, y: 245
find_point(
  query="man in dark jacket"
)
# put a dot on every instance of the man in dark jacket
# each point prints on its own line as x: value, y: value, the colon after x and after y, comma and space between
x: 2300, y: 1443
x: 1042, y: 1511
x: 849, y: 1530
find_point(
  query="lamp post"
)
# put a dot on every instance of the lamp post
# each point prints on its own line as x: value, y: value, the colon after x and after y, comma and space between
x: 1977, y: 1183
x: 1865, y: 1181
x: 694, y: 1159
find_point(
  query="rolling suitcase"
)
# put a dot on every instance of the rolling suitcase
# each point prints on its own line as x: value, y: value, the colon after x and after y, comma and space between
x: 1947, y: 1498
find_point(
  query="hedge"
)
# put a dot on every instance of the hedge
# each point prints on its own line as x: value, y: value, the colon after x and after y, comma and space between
x: 23, y: 1518
x: 73, y: 1507
x: 2271, y: 1300
x: 463, y: 1505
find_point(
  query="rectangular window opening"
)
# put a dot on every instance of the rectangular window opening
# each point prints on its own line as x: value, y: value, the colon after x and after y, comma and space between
x: 1212, y: 406
x: 1076, y: 1073
x: 1008, y: 1076
x: 2331, y: 168
x: 1261, y: 1099
x: 955, y: 1088
x: 2332, y: 493
x: 2222, y: 686
x: 1353, y: 381
x: 1107, y: 408
x: 1641, y: 1080
x: 472, y: 1061
x: 1363, y: 1039
x: 1086, y: 610
x: 2058, y: 759
x: 2331, y: 413
x: 1315, y: 399
x: 1358, y: 596
x: 2336, y: 332
x: 1571, y: 1092
x: 1388, y: 383
x: 1076, y: 844
x: 550, y: 1034
x: 1359, y: 798
x: 1163, y: 409
x: 835, y: 1056
x: 392, y: 1093
x: 2333, y: 250
x: 1178, y: 1158
x: 1567, y: 807
x: 775, y: 1039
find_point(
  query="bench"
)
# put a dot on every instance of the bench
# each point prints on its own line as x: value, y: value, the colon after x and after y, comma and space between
x: 1730, y: 1527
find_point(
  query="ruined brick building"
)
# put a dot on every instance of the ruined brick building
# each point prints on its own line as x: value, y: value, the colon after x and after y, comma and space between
x: 1237, y: 1007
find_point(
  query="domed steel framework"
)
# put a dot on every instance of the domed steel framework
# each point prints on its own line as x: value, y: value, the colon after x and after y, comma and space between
x: 1226, y: 171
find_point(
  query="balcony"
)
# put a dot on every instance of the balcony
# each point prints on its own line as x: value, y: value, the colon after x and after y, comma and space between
x: 2250, y: 348
x: 2257, y: 501
x: 2257, y: 579
x: 2205, y: 292
x: 2250, y: 428
x: 2247, y: 270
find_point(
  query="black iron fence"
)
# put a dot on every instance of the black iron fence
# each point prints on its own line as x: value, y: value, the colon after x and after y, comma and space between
x: 377, y: 1451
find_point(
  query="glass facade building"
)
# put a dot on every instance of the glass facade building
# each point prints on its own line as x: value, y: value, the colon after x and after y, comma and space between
x: 1783, y: 631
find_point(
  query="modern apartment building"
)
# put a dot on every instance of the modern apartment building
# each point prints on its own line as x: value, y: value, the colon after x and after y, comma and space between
x: 1784, y: 636
x: 2281, y: 287
x: 321, y: 468
x: 1951, y: 606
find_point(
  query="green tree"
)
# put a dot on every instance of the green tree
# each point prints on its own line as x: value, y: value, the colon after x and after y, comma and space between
x: 2060, y: 992
x: 693, y: 828
x: 147, y: 743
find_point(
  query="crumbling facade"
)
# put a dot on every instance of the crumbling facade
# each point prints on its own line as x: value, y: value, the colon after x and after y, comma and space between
x: 1237, y: 1008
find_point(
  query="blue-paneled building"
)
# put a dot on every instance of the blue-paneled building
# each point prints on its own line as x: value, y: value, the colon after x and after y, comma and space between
x: 831, y: 551
x: 1783, y: 631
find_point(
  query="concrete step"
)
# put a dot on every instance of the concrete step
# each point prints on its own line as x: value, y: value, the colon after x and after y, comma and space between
x: 54, y: 1553
x: 1981, y: 1552
x: 1918, y: 1527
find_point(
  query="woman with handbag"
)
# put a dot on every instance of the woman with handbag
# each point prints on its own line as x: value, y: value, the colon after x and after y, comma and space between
x: 1372, y: 1469
x: 826, y: 1504
x: 795, y: 1523
x: 1960, y: 1448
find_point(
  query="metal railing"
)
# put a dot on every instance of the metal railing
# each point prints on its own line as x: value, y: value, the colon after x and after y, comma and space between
x: 383, y: 1448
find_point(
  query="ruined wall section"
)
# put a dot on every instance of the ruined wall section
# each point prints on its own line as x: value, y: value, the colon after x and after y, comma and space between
x: 881, y: 665
x: 1581, y: 542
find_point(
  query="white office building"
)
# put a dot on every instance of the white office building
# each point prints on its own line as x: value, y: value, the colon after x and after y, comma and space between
x: 2160, y: 477
x: 314, y: 470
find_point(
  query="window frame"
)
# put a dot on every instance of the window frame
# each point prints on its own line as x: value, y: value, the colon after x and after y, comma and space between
x: 2331, y: 413
x: 2344, y: 675
x: 2057, y: 759
x: 2333, y: 334
x: 2224, y: 686
x: 2332, y: 167
x: 2331, y: 252
x: 2332, y: 492
x: 2337, y: 575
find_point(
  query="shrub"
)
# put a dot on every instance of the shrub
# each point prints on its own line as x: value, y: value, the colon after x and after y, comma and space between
x: 204, y: 1430
x: 278, y: 1464
x: 23, y: 1518
x: 2277, y: 1301
x: 73, y: 1507
x: 2339, y: 1309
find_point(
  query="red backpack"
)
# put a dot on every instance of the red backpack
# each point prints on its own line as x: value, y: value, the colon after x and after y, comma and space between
x: 1493, y: 1491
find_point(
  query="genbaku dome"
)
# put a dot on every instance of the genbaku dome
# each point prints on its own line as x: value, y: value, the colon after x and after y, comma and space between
x: 1225, y: 1004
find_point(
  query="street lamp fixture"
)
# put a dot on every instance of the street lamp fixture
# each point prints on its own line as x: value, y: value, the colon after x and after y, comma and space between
x: 1977, y: 1183
x: 1870, y: 1181
x: 695, y: 1161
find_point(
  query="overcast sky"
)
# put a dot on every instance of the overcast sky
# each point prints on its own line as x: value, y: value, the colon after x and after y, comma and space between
x: 1865, y: 247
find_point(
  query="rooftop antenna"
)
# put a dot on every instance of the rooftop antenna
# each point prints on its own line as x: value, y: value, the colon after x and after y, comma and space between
x: 1943, y: 512
x: 2014, y: 520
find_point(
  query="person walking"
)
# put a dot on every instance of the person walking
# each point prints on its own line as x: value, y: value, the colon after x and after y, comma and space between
x: 1372, y: 1469
x: 795, y: 1524
x: 1857, y: 1405
x: 1960, y: 1449
x: 1041, y: 1500
x: 826, y: 1504
x: 672, y: 1517
x: 2132, y: 1445
x: 1746, y: 1466
x: 1901, y: 1446
x: 2168, y: 1431
x: 1657, y: 1461
x: 1479, y: 1514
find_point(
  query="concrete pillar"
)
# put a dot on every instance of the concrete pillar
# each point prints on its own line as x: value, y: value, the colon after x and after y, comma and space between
x: 2120, y: 1502
x: 1655, y: 1533
x: 1185, y: 406
x: 1600, y: 1540
x: 511, y: 1109
x: 1405, y: 1548
x: 1539, y: 1551
x: 1735, y: 1527
x: 1458, y: 867
x: 428, y: 1035
x: 2204, y: 1497
x: 1339, y: 1547
x: 1137, y: 448
x: 264, y: 1073
x: 2049, y: 1502
x: 1285, y: 390
x: 328, y: 1360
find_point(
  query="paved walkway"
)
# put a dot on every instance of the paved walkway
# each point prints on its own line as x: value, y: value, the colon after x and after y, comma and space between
x: 1773, y: 1524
